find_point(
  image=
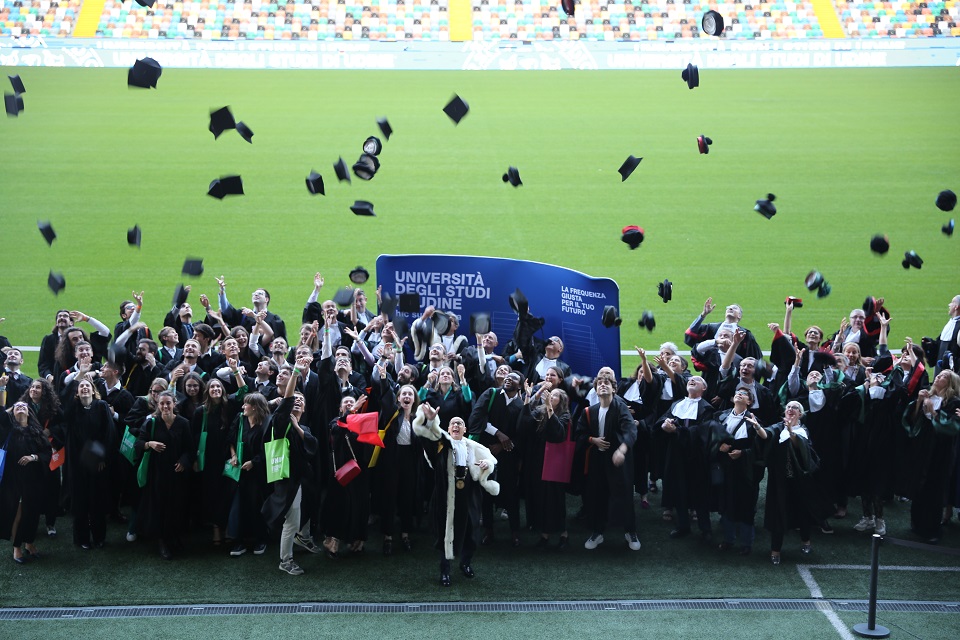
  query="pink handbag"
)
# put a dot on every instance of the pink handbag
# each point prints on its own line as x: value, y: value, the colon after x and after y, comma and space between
x: 558, y: 460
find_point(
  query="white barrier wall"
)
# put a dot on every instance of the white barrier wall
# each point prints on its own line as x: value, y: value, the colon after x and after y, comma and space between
x: 500, y: 55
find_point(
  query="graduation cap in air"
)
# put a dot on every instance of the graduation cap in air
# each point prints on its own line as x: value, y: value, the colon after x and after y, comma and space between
x: 226, y: 186
x: 46, y: 230
x: 359, y: 275
x: 911, y: 259
x: 815, y: 282
x: 628, y: 166
x: 712, y: 23
x: 610, y: 317
x: 569, y: 6
x: 665, y: 290
x: 93, y: 454
x: 703, y: 144
x: 245, y: 132
x: 400, y: 327
x: 870, y: 306
x: 366, y: 166
x: 340, y: 168
x: 456, y: 109
x: 479, y: 323
x: 362, y: 208
x: 946, y: 200
x: 315, y: 183
x: 221, y: 120
x: 134, y: 235
x: 824, y: 358
x: 519, y: 303
x: 372, y: 145
x: 144, y: 74
x: 180, y: 295
x: 344, y: 296
x: 879, y: 244
x: 409, y: 303
x: 947, y: 229
x: 632, y: 235
x: 13, y: 104
x: 691, y: 75
x: 192, y: 267
x: 146, y: 3
x: 512, y: 176
x: 797, y: 302
x: 647, y: 321
x: 766, y: 207
x: 441, y: 322
x: 17, y: 84
x: 56, y: 282
x: 385, y: 127
x: 388, y: 304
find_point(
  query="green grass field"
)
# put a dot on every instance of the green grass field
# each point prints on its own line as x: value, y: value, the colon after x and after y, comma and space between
x: 848, y: 153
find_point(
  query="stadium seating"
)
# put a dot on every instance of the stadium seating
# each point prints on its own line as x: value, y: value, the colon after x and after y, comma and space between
x: 55, y: 18
x: 899, y: 19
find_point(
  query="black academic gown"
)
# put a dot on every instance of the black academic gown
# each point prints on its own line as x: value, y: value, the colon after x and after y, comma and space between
x: 163, y: 500
x: 22, y: 486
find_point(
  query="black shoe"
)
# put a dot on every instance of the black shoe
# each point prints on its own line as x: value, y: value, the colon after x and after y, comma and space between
x: 388, y: 547
x: 826, y: 528
x: 467, y: 570
x: 679, y: 533
x: 99, y: 545
x: 724, y: 546
x: 444, y: 579
x: 516, y: 541
x: 744, y: 551
x: 406, y: 544
x: 487, y: 538
x: 85, y: 546
x: 563, y: 543
x: 165, y: 552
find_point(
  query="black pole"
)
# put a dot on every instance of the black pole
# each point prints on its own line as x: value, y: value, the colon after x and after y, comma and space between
x: 871, y: 630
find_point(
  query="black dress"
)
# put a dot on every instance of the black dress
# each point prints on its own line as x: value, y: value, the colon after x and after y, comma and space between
x: 931, y: 459
x: 545, y: 500
x: 22, y: 486
x: 88, y: 433
x: 791, y: 496
x: 163, y: 499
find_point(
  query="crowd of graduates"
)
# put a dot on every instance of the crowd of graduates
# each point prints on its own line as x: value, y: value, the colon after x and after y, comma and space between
x: 359, y: 426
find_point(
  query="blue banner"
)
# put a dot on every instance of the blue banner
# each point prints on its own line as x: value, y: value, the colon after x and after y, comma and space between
x: 570, y: 302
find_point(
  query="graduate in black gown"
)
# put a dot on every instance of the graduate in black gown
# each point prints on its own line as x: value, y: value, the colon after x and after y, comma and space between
x: 21, y: 488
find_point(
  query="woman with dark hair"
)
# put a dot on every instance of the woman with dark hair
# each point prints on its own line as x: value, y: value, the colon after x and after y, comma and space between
x: 787, y: 453
x: 346, y: 508
x: 245, y: 511
x: 248, y: 359
x: 21, y: 488
x: 45, y: 405
x: 87, y: 432
x: 932, y: 422
x: 193, y: 392
x: 166, y: 436
x: 143, y: 407
x: 545, y: 418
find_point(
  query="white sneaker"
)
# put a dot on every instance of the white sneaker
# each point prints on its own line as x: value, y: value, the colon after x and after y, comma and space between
x: 865, y: 523
x: 131, y: 537
x: 881, y: 527
x: 291, y: 567
x: 632, y: 541
x: 593, y: 541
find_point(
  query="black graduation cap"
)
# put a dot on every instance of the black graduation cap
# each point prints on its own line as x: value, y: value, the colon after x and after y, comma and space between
x: 879, y: 244
x: 647, y: 321
x: 409, y: 303
x: 93, y: 454
x: 146, y: 3
x: 192, y: 267
x: 340, y: 168
x: 632, y: 235
x: 180, y: 295
x: 948, y: 228
x: 400, y: 327
x: 56, y: 282
x: 513, y: 177
x: 344, y: 296
x: 441, y: 322
x: 134, y: 235
x: 815, y: 282
x: 373, y: 146
x: 423, y: 331
x: 569, y: 6
x: 17, y: 84
x: 628, y: 166
x: 703, y: 144
x: 245, y: 132
x: 519, y: 303
x: 479, y: 323
x: 315, y: 183
x: 13, y: 104
x: 883, y: 363
x: 388, y: 304
x: 870, y: 306
x: 144, y: 74
x: 691, y: 75
x: 665, y: 290
x: 911, y: 259
x: 766, y: 207
x: 359, y: 275
x: 712, y: 23
x: 456, y: 109
x: 824, y: 358
x: 385, y: 127
x: 366, y: 166
x: 946, y: 200
x: 226, y: 186
x: 221, y: 120
x: 362, y: 208
x: 46, y: 230
x: 610, y: 317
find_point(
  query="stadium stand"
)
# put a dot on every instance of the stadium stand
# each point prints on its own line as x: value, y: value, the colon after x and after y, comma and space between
x: 39, y: 17
x: 899, y: 19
